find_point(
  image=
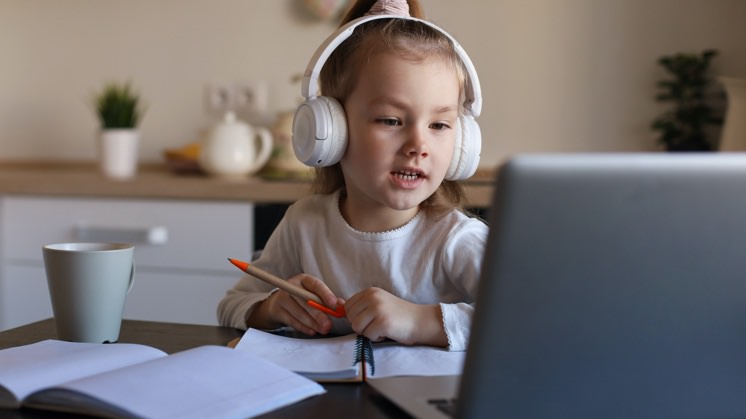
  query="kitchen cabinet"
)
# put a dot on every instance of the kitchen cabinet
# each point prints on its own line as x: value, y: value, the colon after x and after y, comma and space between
x: 181, y: 248
x: 183, y: 227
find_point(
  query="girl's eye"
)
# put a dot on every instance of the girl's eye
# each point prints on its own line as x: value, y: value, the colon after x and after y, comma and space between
x: 439, y: 126
x: 391, y: 122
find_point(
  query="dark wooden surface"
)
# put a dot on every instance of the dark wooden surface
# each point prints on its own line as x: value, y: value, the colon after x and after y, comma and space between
x: 348, y: 400
x: 169, y: 337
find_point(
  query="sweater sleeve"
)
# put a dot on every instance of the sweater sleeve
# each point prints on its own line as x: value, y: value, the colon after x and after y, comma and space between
x: 457, y: 323
x: 240, y: 300
x: 463, y: 253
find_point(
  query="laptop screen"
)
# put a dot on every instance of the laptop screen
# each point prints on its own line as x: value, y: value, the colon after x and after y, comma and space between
x: 613, y: 285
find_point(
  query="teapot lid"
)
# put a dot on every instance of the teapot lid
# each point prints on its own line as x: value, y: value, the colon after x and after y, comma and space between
x: 230, y: 121
x: 230, y: 127
x: 229, y: 117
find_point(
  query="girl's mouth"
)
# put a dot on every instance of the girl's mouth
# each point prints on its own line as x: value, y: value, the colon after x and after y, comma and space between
x: 407, y: 175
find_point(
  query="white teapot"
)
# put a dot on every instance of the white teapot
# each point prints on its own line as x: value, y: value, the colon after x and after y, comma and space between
x: 234, y: 148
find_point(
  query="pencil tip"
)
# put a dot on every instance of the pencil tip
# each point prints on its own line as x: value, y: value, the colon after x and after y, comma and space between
x: 239, y: 264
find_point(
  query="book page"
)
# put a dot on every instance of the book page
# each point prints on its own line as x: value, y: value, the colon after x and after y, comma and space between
x: 393, y: 359
x: 209, y: 381
x: 330, y: 358
x: 316, y: 358
x: 24, y: 369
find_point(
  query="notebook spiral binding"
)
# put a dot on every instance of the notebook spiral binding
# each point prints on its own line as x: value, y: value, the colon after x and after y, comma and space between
x: 364, y: 353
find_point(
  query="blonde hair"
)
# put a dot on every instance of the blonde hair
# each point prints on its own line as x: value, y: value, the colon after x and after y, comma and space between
x: 408, y: 38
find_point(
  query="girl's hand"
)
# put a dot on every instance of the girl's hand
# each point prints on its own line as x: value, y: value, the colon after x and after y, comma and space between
x: 281, y: 308
x: 378, y: 314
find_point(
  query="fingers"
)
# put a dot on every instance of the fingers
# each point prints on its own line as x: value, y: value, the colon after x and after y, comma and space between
x: 294, y: 312
x: 295, y: 316
x: 370, y: 313
x: 319, y: 288
x: 378, y: 315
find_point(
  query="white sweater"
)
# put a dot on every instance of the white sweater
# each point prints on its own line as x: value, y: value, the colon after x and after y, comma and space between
x: 426, y: 261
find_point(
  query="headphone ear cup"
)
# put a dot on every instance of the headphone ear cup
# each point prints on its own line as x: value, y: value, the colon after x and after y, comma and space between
x: 319, y: 132
x: 467, y: 149
x: 338, y: 136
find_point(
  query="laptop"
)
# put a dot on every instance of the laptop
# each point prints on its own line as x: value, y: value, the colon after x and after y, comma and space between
x: 613, y: 285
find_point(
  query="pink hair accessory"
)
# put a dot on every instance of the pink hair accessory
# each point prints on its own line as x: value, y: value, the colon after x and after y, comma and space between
x: 389, y: 7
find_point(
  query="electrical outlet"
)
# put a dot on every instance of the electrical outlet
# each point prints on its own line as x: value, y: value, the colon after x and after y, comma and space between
x: 218, y: 99
x: 250, y: 97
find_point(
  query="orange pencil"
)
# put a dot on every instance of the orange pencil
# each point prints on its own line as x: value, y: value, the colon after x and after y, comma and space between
x: 311, y: 299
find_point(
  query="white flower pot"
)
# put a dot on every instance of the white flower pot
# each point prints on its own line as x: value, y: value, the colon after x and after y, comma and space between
x: 118, y: 152
x: 734, y: 130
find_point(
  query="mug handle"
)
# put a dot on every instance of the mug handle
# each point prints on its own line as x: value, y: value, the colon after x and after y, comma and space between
x: 132, y: 277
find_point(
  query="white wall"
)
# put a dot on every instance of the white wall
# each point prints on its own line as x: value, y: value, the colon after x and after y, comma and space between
x: 557, y: 75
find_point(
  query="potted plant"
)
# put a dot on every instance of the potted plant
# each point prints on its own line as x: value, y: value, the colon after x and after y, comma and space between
x: 687, y: 126
x: 119, y: 111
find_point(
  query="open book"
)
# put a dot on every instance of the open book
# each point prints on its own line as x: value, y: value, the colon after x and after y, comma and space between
x: 128, y: 380
x: 350, y: 357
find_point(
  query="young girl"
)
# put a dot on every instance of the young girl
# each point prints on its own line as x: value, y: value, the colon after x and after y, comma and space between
x: 384, y: 234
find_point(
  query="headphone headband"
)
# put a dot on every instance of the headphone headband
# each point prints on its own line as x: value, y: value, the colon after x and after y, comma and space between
x: 313, y: 70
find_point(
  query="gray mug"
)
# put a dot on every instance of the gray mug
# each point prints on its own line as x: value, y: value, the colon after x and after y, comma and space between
x: 88, y: 284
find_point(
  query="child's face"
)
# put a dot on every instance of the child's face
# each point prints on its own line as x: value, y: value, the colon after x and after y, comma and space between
x: 402, y: 117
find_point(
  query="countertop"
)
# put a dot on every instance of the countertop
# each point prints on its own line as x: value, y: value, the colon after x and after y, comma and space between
x: 83, y: 179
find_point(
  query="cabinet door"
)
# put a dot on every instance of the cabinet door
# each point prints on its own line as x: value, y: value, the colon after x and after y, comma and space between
x: 24, y: 297
x: 190, y: 234
x: 176, y: 297
x: 180, y: 250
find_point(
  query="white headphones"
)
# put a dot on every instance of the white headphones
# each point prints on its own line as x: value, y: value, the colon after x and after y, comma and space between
x: 320, y: 126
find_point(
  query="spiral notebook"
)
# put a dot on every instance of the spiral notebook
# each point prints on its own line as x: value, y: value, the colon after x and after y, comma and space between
x: 350, y: 357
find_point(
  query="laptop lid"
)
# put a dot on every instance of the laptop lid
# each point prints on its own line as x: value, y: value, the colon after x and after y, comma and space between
x: 613, y: 285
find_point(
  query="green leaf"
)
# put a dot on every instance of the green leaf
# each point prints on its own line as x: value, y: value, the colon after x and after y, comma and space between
x: 118, y: 106
x: 686, y: 87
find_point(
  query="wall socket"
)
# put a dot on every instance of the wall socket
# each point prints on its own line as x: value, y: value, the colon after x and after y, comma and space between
x: 218, y: 99
x: 245, y: 98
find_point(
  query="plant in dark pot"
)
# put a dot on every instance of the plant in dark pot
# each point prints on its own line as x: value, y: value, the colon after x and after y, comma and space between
x: 688, y: 125
x: 119, y: 111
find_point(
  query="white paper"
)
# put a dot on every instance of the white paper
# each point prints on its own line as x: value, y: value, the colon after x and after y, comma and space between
x: 397, y: 360
x: 318, y: 358
x: 334, y: 356
x: 209, y: 381
x: 28, y: 368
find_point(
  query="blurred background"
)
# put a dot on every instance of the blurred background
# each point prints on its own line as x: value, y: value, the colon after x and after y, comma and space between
x: 557, y: 75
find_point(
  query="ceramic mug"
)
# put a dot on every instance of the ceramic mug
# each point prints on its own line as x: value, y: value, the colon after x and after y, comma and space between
x: 88, y: 284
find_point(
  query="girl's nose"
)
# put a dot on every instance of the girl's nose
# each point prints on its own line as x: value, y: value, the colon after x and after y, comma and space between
x: 416, y: 145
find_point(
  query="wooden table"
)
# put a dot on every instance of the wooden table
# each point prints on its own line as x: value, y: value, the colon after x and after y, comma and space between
x: 353, y: 400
